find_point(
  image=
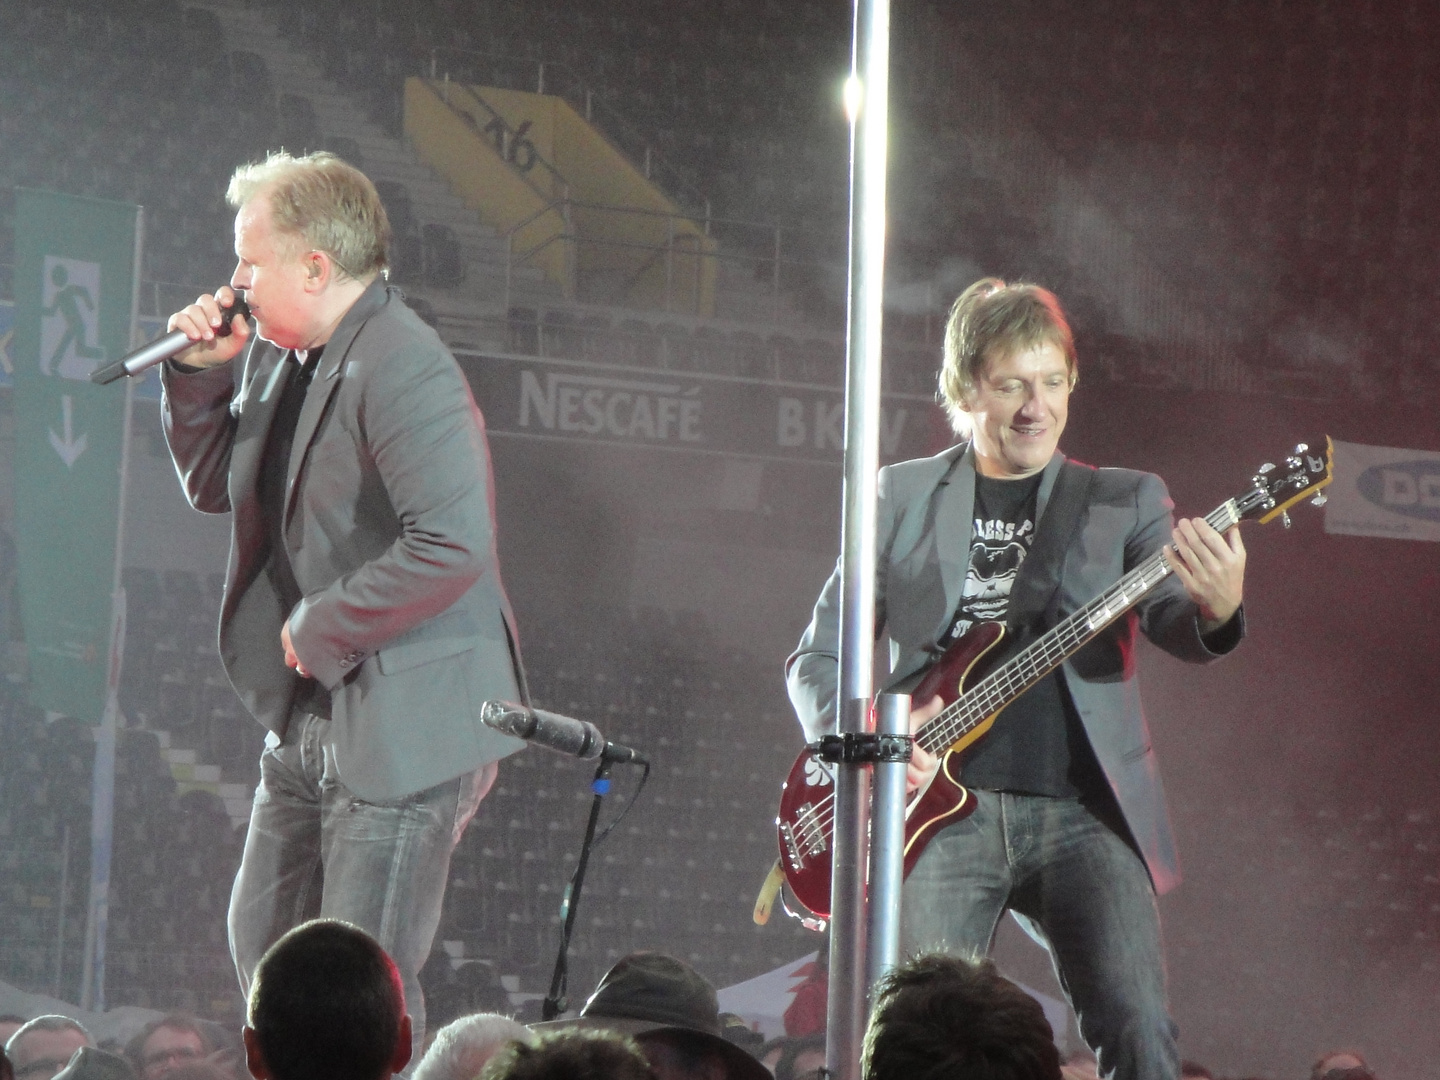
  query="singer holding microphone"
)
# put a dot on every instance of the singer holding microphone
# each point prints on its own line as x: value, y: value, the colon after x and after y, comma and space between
x: 364, y: 621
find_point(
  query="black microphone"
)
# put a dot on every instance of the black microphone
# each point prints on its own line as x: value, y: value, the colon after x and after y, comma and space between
x: 172, y: 344
x: 564, y: 735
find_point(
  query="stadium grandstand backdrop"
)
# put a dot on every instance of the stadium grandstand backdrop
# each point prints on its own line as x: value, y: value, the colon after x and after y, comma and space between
x: 1229, y: 197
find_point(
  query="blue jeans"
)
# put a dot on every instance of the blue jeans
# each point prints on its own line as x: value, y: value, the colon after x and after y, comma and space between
x: 316, y: 850
x: 1078, y: 888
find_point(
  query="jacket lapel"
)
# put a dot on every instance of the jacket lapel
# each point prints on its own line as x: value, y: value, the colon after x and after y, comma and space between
x: 326, y: 380
x: 257, y: 402
x: 1047, y: 485
x: 954, y: 508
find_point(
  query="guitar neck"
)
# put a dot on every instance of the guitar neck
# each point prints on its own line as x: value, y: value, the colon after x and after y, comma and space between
x: 1048, y: 652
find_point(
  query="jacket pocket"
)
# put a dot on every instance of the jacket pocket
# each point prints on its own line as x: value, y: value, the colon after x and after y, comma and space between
x: 448, y: 634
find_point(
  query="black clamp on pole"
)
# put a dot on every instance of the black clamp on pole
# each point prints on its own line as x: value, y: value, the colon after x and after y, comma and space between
x: 862, y: 748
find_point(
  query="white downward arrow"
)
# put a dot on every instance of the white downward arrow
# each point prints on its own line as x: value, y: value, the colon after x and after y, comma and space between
x: 69, y: 448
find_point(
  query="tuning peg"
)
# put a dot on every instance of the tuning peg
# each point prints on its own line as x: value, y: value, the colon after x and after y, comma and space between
x: 1320, y: 499
x: 1300, y: 448
x: 1285, y: 518
x: 1269, y: 466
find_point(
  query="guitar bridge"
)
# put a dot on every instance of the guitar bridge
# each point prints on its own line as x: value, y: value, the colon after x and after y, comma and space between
x: 792, y: 849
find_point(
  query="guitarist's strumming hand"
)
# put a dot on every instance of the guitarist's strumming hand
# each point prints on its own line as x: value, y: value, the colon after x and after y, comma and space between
x: 922, y: 763
x: 1211, y: 567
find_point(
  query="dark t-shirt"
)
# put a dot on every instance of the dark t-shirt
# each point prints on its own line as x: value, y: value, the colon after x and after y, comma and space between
x: 274, y: 466
x: 1037, y: 745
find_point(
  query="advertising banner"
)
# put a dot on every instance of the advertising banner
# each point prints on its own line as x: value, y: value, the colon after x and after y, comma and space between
x: 1384, y: 491
x: 531, y: 397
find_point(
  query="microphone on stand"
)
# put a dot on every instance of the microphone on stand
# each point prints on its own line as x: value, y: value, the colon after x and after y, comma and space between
x: 161, y: 349
x: 564, y: 735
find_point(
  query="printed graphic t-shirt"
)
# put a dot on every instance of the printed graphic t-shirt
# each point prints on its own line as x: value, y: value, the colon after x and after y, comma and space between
x: 1037, y: 745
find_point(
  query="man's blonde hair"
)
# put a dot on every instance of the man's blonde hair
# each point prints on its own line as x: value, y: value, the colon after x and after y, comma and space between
x: 992, y: 319
x: 328, y: 204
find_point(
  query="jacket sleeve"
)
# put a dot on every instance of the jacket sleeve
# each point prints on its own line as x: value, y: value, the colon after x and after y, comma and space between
x: 1168, y: 616
x: 422, y: 429
x: 199, y: 425
x: 812, y: 672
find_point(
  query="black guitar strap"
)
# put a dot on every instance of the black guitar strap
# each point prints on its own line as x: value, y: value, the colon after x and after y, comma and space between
x: 1035, y: 596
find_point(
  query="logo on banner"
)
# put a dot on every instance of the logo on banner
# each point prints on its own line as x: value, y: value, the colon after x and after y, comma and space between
x: 621, y: 408
x: 1411, y: 488
x: 70, y: 319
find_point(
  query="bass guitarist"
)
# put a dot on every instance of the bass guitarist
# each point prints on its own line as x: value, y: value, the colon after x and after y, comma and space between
x: 1069, y: 830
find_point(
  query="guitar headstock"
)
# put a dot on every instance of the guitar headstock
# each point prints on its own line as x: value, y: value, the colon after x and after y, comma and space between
x: 1276, y: 488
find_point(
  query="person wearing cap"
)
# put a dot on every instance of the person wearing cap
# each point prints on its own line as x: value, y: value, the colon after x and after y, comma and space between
x: 672, y: 1011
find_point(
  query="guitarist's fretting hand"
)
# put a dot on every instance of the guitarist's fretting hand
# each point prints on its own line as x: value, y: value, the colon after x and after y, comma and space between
x: 922, y: 763
x: 1211, y: 567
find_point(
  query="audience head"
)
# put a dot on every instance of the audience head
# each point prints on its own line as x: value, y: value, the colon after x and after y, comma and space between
x: 164, y: 1044
x: 734, y: 1029
x: 944, y: 1017
x: 1079, y: 1067
x: 326, y: 1004
x: 462, y: 1048
x: 42, y: 1047
x: 801, y: 1058
x: 1341, y: 1065
x: 672, y: 1011
x: 570, y: 1055
x: 9, y: 1024
x: 769, y: 1054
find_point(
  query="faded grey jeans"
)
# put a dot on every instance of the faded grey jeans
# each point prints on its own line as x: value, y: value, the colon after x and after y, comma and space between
x: 1077, y: 887
x: 316, y: 850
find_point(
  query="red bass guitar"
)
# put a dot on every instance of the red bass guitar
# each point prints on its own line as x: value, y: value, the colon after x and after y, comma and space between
x: 975, y: 687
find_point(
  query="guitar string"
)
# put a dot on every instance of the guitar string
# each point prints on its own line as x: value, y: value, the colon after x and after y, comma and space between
x: 1043, y: 656
x: 1023, y: 669
x: 1053, y: 648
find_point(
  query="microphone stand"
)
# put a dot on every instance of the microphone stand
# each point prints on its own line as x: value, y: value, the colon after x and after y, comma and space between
x: 555, y: 1002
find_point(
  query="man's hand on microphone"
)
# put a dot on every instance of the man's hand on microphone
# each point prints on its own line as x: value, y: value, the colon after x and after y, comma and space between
x: 199, y: 323
x: 291, y: 660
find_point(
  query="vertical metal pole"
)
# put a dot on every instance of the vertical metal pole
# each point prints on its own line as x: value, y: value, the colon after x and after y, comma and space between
x: 775, y: 281
x: 669, y: 259
x: 866, y: 95
x: 509, y: 249
x: 60, y: 923
x: 102, y: 799
x: 700, y: 257
x: 887, y: 841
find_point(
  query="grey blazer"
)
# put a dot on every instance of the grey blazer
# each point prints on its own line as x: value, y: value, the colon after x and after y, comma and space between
x: 923, y: 542
x: 389, y: 524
